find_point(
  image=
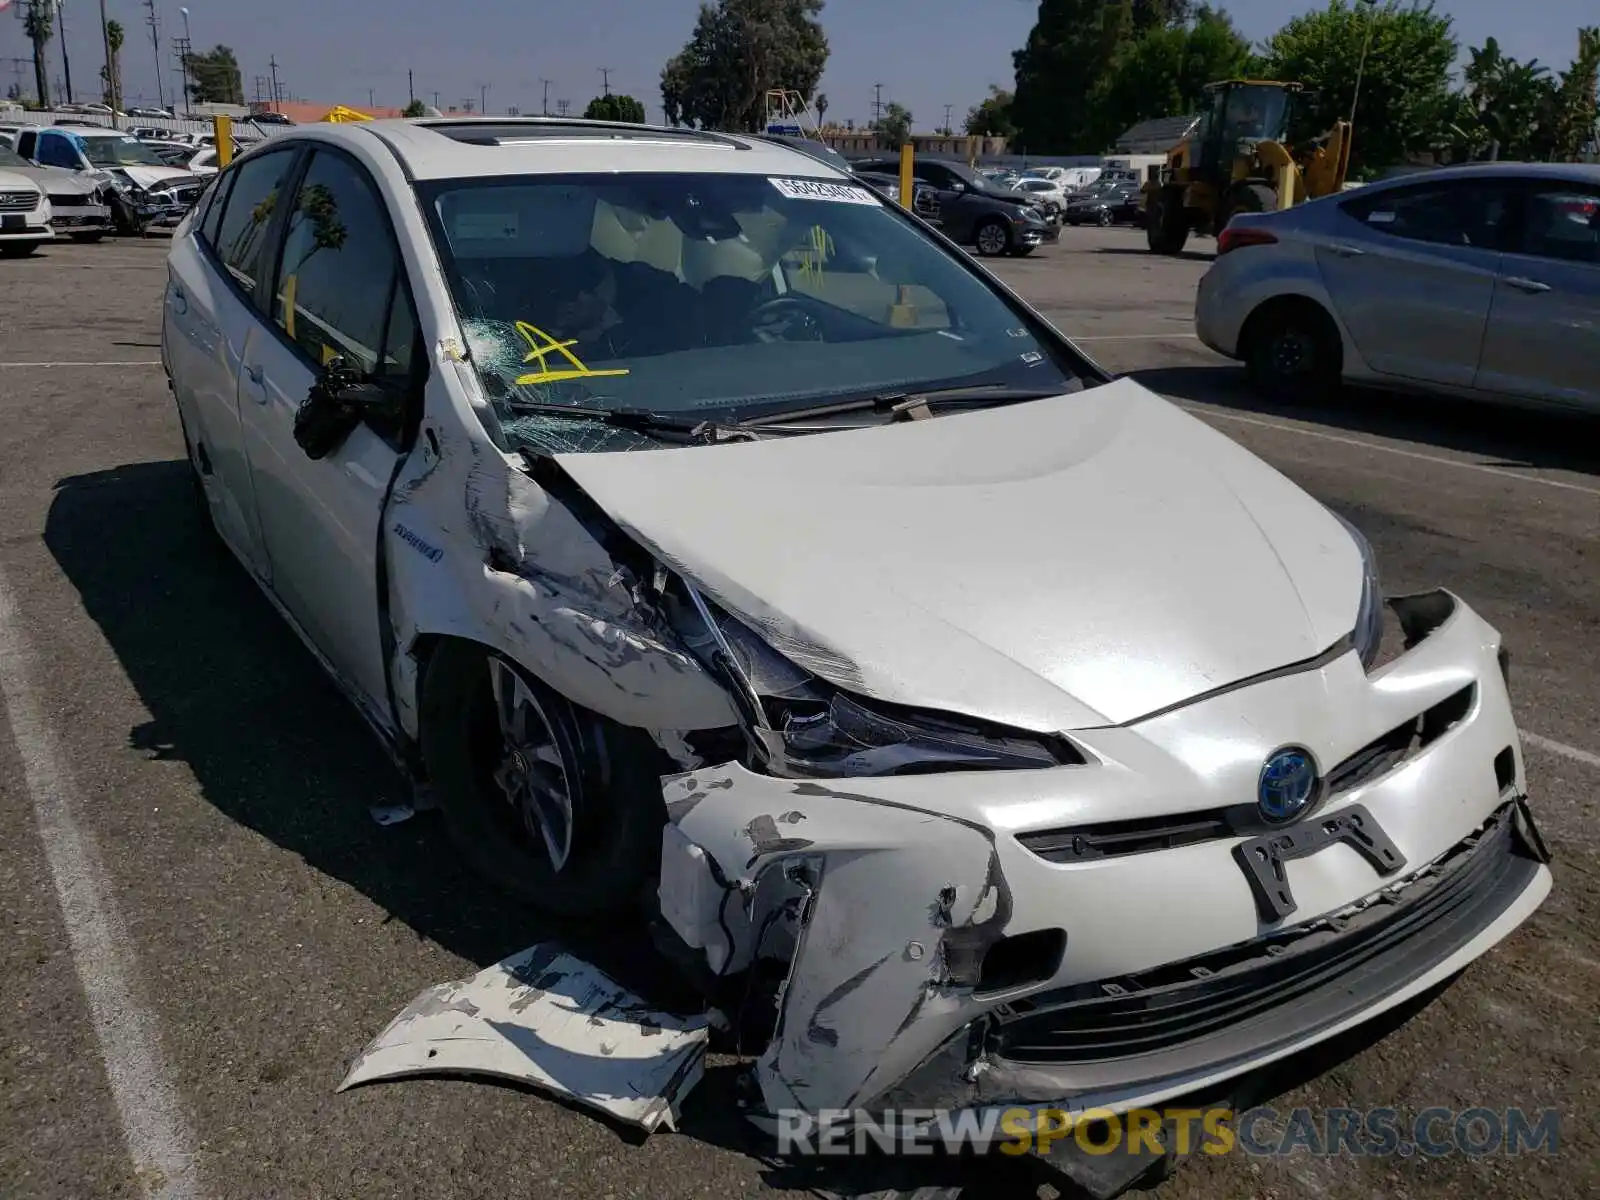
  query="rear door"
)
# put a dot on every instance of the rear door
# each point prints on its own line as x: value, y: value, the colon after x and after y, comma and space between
x: 210, y: 308
x: 1411, y: 272
x: 1543, y: 339
x: 340, y: 290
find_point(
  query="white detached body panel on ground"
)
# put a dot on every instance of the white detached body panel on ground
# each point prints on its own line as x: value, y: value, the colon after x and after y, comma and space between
x: 1008, y: 734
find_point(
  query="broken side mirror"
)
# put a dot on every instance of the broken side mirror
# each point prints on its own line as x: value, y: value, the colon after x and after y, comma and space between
x: 338, y: 401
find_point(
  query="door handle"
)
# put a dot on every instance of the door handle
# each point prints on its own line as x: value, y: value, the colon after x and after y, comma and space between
x: 1526, y: 285
x: 1347, y: 251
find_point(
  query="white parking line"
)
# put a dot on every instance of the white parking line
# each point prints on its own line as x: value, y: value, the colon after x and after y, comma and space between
x: 127, y: 362
x: 1561, y: 748
x: 153, y: 1125
x: 1481, y: 468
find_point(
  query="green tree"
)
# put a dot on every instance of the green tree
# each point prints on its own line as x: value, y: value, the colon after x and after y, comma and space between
x: 415, y: 109
x: 739, y: 51
x: 894, y: 127
x: 1163, y: 72
x: 111, y: 73
x: 615, y: 108
x: 1157, y: 14
x: 39, y: 24
x: 1068, y: 52
x: 992, y: 117
x: 1507, y: 106
x: 1577, y: 107
x: 214, y: 77
x: 1405, y: 103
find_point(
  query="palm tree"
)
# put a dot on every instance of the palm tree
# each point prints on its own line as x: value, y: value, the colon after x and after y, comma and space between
x: 39, y: 24
x: 112, y: 71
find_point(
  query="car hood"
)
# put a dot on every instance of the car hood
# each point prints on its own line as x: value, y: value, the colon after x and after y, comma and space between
x: 148, y: 177
x: 58, y: 181
x: 17, y: 181
x: 1056, y: 564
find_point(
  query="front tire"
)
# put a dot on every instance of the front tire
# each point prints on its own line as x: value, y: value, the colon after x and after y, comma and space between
x: 556, y: 806
x: 1104, y: 218
x: 17, y: 249
x: 992, y: 237
x: 87, y: 239
x: 1166, y: 224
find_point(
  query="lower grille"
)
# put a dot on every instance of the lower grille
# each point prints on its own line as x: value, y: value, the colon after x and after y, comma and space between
x: 19, y: 201
x: 72, y: 201
x: 1283, y: 987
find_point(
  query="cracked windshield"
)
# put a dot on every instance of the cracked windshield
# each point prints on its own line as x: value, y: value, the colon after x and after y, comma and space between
x: 711, y: 297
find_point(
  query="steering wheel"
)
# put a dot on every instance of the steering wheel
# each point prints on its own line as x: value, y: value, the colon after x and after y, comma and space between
x: 787, y: 319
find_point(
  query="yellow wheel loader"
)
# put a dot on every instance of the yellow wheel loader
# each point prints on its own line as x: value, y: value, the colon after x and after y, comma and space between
x: 1238, y: 160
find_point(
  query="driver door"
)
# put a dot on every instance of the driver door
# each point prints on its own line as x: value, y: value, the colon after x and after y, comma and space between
x: 338, y: 289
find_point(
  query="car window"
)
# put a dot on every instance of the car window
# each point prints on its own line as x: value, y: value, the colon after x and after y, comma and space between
x: 338, y: 270
x: 1562, y: 221
x: 242, y: 231
x: 27, y: 144
x: 212, y: 217
x: 119, y: 152
x: 714, y: 294
x: 57, y: 151
x: 1467, y: 213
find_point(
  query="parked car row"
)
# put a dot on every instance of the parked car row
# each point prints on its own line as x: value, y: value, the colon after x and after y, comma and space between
x: 969, y: 208
x: 89, y: 181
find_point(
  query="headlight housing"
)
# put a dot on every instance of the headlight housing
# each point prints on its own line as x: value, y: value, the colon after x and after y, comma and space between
x: 798, y: 725
x: 1368, y: 633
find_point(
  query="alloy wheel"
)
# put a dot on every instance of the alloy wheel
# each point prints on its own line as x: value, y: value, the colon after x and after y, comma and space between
x: 532, y: 773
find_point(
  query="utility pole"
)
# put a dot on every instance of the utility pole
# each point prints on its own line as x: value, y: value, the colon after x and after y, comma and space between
x: 371, y: 103
x: 436, y: 99
x: 605, y: 80
x: 185, y: 48
x: 111, y: 68
x: 277, y: 96
x: 155, y: 45
x: 545, y: 107
x: 66, y: 66
x: 877, y: 103
x: 483, y: 98
x: 1366, y: 44
x: 562, y: 106
x: 947, y: 129
x: 16, y: 69
x: 411, y: 85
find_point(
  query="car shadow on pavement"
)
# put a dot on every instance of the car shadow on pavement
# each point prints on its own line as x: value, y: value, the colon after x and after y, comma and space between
x: 1146, y: 252
x: 1502, y: 435
x: 270, y: 740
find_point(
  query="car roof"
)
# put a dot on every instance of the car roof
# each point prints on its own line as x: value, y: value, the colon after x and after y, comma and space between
x: 481, y: 147
x: 1562, y: 172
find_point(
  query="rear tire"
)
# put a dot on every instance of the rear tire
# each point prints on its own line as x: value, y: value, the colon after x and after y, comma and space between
x: 87, y: 238
x: 1167, y: 225
x: 1292, y: 351
x: 17, y: 249
x: 607, y: 774
x: 1104, y: 218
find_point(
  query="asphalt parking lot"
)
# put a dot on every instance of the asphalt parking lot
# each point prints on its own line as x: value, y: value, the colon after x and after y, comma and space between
x: 177, y: 776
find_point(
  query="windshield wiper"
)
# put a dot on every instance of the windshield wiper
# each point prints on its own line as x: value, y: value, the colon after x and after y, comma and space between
x: 909, y: 406
x: 638, y: 420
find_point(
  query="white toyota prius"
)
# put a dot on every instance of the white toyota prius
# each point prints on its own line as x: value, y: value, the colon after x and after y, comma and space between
x: 705, y: 532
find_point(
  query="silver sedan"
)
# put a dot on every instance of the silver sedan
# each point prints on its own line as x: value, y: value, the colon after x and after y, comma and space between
x: 1480, y: 280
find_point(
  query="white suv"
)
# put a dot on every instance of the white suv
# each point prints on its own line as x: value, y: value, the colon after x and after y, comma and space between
x: 707, y: 530
x: 24, y: 215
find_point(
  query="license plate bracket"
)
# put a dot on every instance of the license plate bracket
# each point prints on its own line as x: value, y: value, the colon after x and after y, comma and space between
x: 1265, y: 858
x: 12, y: 222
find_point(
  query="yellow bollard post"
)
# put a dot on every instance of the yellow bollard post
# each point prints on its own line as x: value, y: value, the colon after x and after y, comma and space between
x: 907, y: 178
x: 1287, y: 185
x: 222, y: 127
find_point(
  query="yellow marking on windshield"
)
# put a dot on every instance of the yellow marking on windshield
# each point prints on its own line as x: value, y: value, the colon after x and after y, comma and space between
x: 815, y: 255
x: 541, y: 345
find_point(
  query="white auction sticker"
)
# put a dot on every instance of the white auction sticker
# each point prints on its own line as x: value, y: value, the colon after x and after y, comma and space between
x: 816, y: 189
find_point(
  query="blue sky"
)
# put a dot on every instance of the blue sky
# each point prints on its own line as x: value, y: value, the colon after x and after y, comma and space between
x: 926, y: 53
